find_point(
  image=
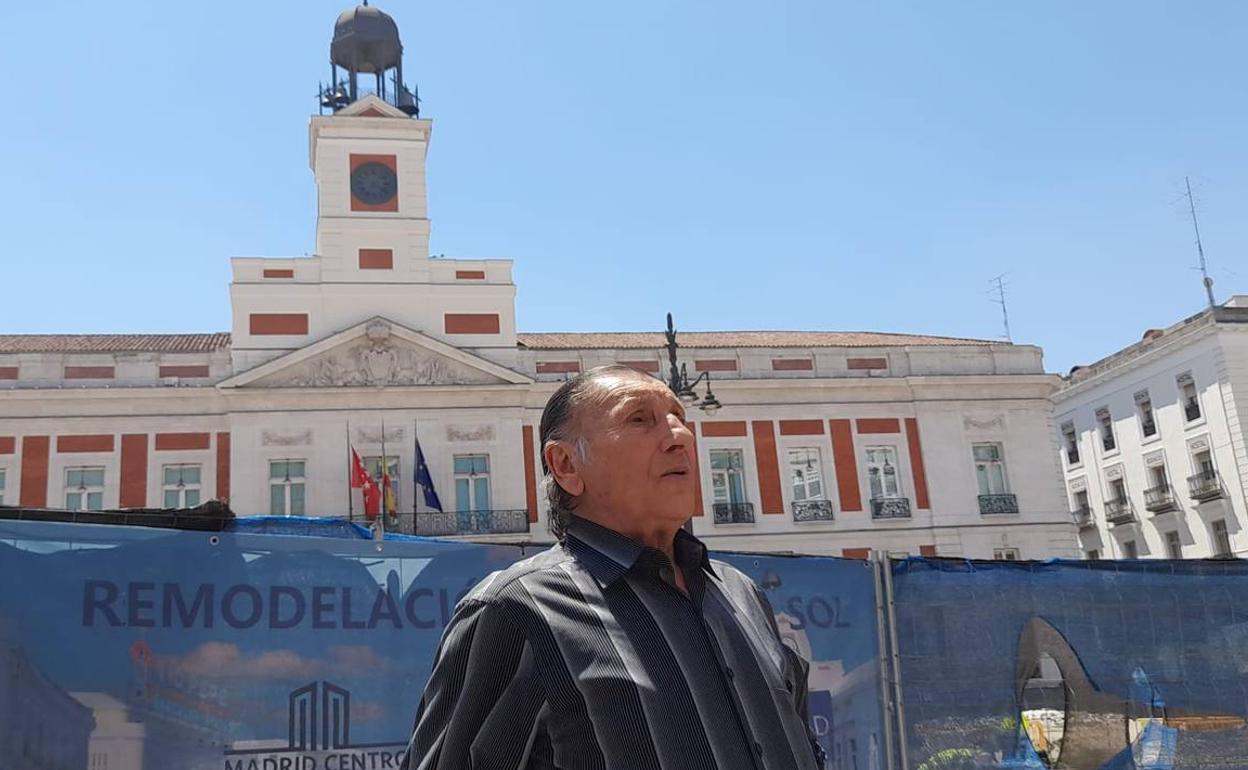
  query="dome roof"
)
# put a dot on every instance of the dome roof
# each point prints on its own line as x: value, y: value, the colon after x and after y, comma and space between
x: 365, y: 40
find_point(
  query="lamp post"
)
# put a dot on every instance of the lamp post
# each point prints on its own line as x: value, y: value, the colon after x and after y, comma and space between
x: 678, y: 377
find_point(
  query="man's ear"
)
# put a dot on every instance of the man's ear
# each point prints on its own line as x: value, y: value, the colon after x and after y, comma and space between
x: 564, y: 467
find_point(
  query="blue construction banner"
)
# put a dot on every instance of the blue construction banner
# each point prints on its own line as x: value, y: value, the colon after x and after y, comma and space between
x: 266, y: 649
x: 1079, y: 665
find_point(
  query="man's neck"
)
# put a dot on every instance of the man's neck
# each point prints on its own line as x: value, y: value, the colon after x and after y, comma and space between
x: 659, y: 536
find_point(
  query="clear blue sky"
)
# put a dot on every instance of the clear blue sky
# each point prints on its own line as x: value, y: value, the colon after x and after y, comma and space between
x: 811, y: 164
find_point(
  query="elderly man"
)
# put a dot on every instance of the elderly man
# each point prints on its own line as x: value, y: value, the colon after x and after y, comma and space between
x: 623, y: 647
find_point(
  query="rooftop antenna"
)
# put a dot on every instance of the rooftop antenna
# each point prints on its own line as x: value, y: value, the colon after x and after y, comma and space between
x: 1200, y: 249
x: 999, y: 291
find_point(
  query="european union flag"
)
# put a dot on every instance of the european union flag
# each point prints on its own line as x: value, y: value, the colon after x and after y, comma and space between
x: 425, y: 482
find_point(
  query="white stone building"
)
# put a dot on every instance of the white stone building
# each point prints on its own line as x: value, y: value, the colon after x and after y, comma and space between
x: 828, y: 442
x: 1153, y: 441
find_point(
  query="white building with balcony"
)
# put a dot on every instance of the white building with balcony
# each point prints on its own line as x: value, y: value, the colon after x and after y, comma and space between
x: 828, y: 442
x: 1153, y: 442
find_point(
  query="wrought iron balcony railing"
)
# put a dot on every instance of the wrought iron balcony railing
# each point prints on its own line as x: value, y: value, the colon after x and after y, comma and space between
x: 890, y: 508
x: 733, y: 513
x: 812, y: 510
x: 1160, y: 499
x: 1083, y: 517
x: 1118, y: 512
x: 496, y: 522
x: 992, y: 504
x: 1205, y: 486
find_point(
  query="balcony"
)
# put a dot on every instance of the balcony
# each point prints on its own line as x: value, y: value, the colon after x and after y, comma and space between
x: 890, y: 508
x: 505, y: 522
x: 733, y: 513
x: 1191, y: 410
x: 1205, y: 485
x: 1160, y: 499
x: 812, y: 510
x: 1119, y: 512
x: 994, y: 504
x: 1083, y: 518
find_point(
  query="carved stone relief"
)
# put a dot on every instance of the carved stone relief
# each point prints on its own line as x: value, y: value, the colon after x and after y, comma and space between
x: 276, y: 438
x: 394, y: 435
x: 377, y: 358
x: 1113, y: 473
x: 996, y: 422
x: 470, y: 433
x: 1153, y: 459
x: 1079, y: 485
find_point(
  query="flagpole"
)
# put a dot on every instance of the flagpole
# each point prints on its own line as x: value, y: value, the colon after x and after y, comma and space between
x: 380, y: 531
x: 416, y: 492
x: 350, y: 472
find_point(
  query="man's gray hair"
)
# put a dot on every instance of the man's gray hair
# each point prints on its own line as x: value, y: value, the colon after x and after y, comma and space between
x: 561, y: 422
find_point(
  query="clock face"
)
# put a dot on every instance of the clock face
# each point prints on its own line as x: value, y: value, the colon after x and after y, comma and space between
x: 374, y: 183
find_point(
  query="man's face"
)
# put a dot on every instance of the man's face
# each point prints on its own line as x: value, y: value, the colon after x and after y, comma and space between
x: 640, y: 452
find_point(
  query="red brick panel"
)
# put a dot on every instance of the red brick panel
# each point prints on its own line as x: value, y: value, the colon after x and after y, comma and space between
x: 867, y: 363
x: 133, y: 492
x: 801, y: 427
x: 792, y: 365
x: 173, y: 442
x: 650, y: 367
x: 697, y: 475
x: 35, y: 471
x: 879, y: 425
x: 276, y: 273
x: 376, y: 259
x: 856, y: 553
x: 278, y: 323
x: 927, y: 550
x: 385, y: 160
x: 558, y: 367
x: 768, y: 467
x: 530, y: 472
x: 916, y: 464
x: 8, y: 372
x: 8, y: 445
x: 471, y: 323
x: 184, y: 370
x: 223, y: 467
x: 469, y: 275
x: 723, y: 429
x: 371, y: 112
x: 89, y: 372
x: 716, y: 365
x: 101, y: 442
x: 846, y: 465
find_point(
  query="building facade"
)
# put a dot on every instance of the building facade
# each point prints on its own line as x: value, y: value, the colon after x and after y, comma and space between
x: 1153, y: 442
x: 827, y: 442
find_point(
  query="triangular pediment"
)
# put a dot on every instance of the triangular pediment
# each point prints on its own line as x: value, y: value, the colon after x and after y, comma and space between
x: 372, y: 354
x: 370, y: 106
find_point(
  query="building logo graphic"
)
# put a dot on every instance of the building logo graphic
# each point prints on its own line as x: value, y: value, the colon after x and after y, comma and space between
x: 318, y: 736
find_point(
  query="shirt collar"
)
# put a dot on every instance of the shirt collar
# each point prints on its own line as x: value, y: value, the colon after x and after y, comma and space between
x: 608, y: 555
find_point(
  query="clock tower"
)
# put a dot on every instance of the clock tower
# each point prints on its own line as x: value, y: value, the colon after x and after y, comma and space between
x: 367, y: 151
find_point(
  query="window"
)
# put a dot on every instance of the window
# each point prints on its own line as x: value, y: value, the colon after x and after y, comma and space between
x: 1188, y: 397
x: 287, y: 484
x: 1005, y: 554
x: 1157, y: 475
x: 472, y: 483
x: 1071, y: 441
x: 1118, y: 491
x: 1221, y: 539
x: 180, y: 484
x: 1144, y: 410
x: 990, y: 469
x: 806, y: 474
x: 1174, y: 546
x: 84, y: 489
x: 727, y: 476
x: 373, y: 466
x: 882, y: 472
x: 1129, y: 551
x: 1081, y: 501
x: 1203, y: 461
x: 1106, y: 424
x: 1093, y: 555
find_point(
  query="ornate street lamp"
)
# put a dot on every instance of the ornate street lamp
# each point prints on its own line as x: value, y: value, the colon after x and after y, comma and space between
x: 678, y: 377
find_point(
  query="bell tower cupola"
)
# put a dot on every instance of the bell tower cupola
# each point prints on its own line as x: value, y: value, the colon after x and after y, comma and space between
x: 366, y: 42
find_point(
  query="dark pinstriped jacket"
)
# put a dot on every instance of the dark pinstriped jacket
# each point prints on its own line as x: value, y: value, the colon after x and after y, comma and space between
x: 587, y: 656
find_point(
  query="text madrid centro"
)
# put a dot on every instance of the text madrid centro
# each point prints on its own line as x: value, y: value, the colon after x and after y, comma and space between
x: 208, y: 605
